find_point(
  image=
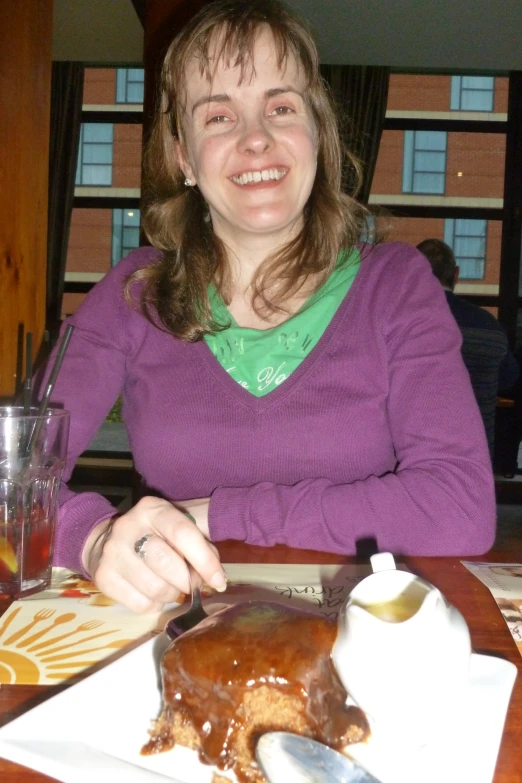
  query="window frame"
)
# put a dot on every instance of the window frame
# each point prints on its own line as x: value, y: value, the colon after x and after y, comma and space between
x: 119, y: 247
x: 83, y: 146
x: 412, y: 173
x: 124, y: 83
x: 459, y: 91
x: 454, y: 232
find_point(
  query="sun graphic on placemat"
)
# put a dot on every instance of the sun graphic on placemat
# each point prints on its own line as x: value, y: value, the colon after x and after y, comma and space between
x: 29, y: 655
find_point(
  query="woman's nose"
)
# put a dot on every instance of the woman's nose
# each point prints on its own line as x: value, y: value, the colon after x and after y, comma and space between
x: 255, y: 139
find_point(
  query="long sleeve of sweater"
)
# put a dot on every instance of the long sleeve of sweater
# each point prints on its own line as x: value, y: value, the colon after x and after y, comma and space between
x: 439, y: 499
x: 91, y: 378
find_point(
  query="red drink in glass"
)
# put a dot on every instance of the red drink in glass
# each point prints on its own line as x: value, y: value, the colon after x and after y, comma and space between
x: 25, y: 554
x: 29, y: 484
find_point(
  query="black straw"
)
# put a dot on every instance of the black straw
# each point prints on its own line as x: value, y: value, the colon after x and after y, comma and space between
x: 56, y: 369
x: 28, y: 384
x: 50, y: 386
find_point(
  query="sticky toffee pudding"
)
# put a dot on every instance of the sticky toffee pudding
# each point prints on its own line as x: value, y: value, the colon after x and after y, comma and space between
x: 251, y: 668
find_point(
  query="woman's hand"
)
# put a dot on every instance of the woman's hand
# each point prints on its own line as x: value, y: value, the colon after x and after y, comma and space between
x: 145, y: 584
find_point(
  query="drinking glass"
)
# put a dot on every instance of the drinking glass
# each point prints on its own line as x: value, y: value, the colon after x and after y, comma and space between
x: 33, y: 451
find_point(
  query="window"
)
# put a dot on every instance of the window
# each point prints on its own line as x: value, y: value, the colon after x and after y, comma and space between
x: 468, y: 240
x: 368, y: 231
x: 125, y: 232
x: 472, y: 93
x: 424, y: 165
x: 129, y: 85
x: 95, y: 154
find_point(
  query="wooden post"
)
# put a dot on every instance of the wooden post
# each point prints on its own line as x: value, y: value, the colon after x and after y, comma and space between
x: 25, y: 99
x: 163, y: 20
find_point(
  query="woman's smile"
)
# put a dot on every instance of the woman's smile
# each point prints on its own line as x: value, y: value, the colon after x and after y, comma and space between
x: 265, y: 177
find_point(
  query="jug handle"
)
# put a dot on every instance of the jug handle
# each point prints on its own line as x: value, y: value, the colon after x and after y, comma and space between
x: 382, y: 561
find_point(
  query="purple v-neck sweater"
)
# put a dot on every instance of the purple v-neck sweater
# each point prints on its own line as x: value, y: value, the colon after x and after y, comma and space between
x: 376, y: 433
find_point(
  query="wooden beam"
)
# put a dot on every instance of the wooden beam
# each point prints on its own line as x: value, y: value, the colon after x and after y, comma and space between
x: 163, y: 20
x: 25, y: 99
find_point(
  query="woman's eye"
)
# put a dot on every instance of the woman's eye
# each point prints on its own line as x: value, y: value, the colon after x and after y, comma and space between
x: 282, y: 110
x: 217, y: 119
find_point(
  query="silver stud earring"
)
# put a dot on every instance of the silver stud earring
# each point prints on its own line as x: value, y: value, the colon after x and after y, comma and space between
x: 188, y: 182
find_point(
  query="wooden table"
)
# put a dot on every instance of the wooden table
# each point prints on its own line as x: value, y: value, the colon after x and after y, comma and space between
x: 488, y: 631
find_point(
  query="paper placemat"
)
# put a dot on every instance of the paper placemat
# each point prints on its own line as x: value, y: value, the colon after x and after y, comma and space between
x: 504, y: 581
x: 58, y: 634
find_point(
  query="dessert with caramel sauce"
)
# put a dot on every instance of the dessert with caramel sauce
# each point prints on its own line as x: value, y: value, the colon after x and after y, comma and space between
x: 251, y: 668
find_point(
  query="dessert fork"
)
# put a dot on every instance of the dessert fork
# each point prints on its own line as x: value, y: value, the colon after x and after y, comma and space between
x: 194, y: 615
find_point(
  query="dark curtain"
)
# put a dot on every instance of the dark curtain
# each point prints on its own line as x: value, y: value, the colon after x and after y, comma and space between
x: 361, y: 93
x: 66, y: 112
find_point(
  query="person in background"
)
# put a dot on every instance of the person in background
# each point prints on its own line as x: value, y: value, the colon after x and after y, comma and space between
x: 485, y: 349
x: 282, y: 383
x: 508, y: 426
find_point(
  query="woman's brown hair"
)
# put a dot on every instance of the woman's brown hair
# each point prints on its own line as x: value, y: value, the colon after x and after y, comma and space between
x: 176, y: 218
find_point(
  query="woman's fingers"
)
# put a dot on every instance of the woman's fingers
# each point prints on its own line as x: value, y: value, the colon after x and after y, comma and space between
x: 185, y: 538
x: 145, y: 584
x: 160, y: 575
x: 161, y: 565
x: 123, y: 592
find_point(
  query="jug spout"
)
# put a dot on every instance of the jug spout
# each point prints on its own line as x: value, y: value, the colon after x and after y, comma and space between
x: 413, y: 600
x: 432, y: 598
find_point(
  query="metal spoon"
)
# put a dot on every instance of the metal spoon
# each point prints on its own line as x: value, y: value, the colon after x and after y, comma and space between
x: 285, y: 757
x: 194, y: 615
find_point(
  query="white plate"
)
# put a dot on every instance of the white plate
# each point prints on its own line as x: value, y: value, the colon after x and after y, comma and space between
x: 97, y: 727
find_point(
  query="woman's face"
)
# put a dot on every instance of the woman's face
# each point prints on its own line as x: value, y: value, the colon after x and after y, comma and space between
x: 251, y: 148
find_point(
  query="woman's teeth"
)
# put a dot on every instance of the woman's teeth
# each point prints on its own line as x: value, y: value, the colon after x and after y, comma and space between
x: 258, y: 176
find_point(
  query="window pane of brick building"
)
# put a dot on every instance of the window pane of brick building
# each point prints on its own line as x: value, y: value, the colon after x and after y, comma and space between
x: 129, y: 85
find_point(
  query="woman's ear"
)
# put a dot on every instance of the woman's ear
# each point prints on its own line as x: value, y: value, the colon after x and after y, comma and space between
x: 183, y: 163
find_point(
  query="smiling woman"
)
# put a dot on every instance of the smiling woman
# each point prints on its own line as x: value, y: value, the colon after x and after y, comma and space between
x: 282, y: 381
x: 251, y: 149
x: 246, y: 118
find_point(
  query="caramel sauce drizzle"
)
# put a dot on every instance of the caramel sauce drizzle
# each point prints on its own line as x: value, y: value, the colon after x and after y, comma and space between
x: 207, y: 672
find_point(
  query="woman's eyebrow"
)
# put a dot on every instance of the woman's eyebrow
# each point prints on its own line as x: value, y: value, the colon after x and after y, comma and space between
x: 274, y: 91
x: 225, y: 98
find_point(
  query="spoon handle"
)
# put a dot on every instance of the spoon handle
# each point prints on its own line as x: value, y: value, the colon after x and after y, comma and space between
x: 196, y: 613
x: 284, y: 756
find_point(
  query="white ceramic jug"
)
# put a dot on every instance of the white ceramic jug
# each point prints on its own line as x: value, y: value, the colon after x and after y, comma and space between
x: 402, y: 653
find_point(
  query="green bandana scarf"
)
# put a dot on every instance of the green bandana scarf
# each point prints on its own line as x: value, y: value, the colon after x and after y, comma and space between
x: 260, y: 360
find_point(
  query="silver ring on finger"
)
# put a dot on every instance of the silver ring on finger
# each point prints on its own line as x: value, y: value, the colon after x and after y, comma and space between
x: 139, y: 545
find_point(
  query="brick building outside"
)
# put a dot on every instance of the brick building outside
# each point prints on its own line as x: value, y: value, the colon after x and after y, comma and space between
x: 415, y: 168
